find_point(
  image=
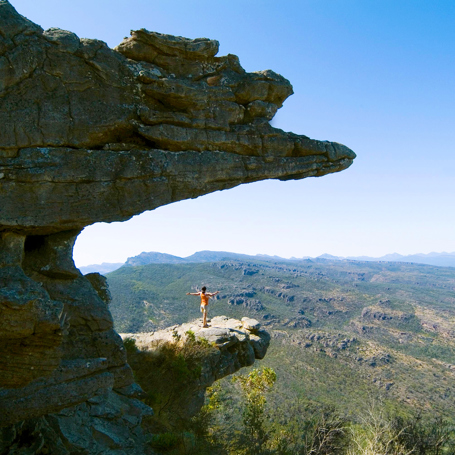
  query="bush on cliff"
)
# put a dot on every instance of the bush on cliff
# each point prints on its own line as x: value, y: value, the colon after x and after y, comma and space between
x: 167, y: 374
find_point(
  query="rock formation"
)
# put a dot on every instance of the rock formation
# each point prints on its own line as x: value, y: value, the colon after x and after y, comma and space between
x: 237, y: 343
x: 93, y: 134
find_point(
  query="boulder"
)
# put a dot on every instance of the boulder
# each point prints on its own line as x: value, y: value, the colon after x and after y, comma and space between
x: 251, y: 324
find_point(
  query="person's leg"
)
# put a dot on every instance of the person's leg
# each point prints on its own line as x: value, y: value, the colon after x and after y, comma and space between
x: 204, y: 320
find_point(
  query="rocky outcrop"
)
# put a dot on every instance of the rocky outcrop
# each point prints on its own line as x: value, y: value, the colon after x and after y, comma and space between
x: 57, y: 333
x: 94, y: 134
x: 379, y: 313
x: 237, y: 344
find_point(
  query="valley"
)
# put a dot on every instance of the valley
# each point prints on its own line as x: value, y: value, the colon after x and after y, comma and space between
x: 344, y: 333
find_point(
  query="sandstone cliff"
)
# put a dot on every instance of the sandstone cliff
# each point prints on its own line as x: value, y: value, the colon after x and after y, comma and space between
x: 218, y: 351
x: 94, y: 134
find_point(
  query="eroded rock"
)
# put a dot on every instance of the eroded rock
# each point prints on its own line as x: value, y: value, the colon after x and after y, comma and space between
x: 107, y: 423
x: 31, y: 322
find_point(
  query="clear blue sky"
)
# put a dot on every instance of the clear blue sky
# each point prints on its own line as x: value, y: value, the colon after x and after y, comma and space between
x: 375, y: 75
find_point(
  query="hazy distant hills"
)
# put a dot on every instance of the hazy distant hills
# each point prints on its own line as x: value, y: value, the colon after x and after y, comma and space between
x: 438, y: 259
x: 103, y: 268
x: 154, y: 258
x: 201, y: 256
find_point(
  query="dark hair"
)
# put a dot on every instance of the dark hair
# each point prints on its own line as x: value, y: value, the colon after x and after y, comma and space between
x: 204, y: 288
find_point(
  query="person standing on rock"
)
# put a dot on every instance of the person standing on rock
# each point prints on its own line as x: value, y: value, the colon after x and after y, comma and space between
x: 205, y: 296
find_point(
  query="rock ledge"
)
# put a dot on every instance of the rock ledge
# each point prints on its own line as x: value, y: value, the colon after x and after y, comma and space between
x: 237, y: 343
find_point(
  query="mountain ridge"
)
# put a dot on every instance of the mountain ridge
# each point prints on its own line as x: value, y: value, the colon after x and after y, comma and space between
x: 443, y: 259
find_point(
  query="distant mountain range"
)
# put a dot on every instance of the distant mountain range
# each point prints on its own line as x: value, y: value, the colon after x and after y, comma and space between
x: 103, y: 268
x: 438, y: 259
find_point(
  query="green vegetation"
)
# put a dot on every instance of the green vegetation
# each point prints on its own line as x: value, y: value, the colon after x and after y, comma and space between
x: 165, y: 441
x: 345, y: 334
x: 380, y: 432
x: 254, y: 387
x: 296, y: 430
x: 166, y: 375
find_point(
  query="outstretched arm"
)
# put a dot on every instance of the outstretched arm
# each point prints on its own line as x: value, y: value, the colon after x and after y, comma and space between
x: 192, y: 293
x: 211, y: 294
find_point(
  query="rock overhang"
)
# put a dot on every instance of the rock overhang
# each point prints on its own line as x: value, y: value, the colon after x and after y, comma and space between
x: 225, y: 347
x: 97, y: 134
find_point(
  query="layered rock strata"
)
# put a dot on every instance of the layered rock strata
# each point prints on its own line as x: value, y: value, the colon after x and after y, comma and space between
x: 238, y: 344
x: 94, y: 134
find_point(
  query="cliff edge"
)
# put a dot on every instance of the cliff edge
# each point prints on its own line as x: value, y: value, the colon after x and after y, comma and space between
x: 230, y: 345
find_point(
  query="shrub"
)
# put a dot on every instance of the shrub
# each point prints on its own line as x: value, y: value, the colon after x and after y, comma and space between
x: 191, y: 337
x: 254, y: 386
x: 381, y: 432
x: 130, y: 344
x: 164, y: 441
x: 424, y: 436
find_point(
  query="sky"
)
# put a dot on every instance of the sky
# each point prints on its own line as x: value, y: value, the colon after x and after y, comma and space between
x: 375, y: 75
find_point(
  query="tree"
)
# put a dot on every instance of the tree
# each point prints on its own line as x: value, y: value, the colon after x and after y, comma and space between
x: 254, y: 386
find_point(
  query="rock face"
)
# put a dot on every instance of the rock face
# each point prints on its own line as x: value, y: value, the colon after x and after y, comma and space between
x: 93, y: 134
x: 238, y: 344
x: 107, y: 423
